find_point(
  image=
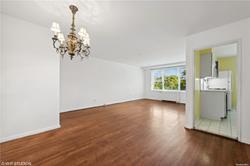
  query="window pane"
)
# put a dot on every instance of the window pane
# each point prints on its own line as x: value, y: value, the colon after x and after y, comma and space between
x: 171, y: 79
x: 158, y: 85
x: 157, y: 74
x: 157, y: 80
x: 183, y: 85
x: 183, y: 79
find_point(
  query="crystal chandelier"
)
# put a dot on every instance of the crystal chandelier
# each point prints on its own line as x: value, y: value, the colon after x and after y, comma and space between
x: 73, y: 45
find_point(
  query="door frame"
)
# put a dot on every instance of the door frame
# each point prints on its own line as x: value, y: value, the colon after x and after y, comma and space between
x: 238, y: 81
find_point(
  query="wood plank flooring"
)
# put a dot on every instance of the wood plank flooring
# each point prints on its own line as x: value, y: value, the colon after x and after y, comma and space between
x: 142, y: 132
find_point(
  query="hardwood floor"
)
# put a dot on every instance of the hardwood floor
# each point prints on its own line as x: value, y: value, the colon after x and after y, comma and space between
x: 142, y: 132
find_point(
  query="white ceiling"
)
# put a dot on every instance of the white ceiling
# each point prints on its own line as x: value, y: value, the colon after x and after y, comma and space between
x: 140, y: 33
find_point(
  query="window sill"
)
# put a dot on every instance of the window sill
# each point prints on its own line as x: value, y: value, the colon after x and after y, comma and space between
x: 181, y: 91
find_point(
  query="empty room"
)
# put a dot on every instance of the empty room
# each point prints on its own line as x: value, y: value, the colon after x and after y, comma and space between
x: 122, y: 82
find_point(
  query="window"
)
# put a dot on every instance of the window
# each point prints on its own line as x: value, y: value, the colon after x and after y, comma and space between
x: 172, y: 78
x: 171, y: 81
x: 182, y: 78
x: 157, y: 77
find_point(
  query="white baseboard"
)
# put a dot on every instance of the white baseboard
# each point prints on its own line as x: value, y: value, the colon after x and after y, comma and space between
x: 171, y: 100
x: 28, y: 133
x: 246, y: 141
x: 99, y: 105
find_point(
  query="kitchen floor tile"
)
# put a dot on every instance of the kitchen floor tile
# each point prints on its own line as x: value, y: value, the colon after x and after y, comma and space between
x: 225, y: 127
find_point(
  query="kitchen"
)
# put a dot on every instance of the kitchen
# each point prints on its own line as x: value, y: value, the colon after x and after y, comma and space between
x: 215, y: 90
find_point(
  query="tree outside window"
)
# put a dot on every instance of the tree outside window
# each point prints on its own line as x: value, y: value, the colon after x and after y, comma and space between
x: 182, y: 78
x: 157, y: 80
x: 173, y: 78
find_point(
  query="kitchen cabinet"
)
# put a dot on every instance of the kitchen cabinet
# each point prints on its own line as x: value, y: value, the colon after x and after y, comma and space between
x: 206, y: 61
x: 213, y: 104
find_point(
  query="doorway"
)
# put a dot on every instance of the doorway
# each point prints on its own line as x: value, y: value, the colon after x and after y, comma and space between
x: 216, y: 90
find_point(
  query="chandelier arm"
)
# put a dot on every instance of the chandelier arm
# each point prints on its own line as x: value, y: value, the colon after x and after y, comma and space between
x: 65, y: 49
x: 81, y: 56
x: 54, y: 39
x: 84, y: 53
x: 62, y: 50
x: 88, y: 51
x: 79, y: 43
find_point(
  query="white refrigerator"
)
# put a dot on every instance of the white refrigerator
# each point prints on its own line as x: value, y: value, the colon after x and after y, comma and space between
x: 228, y: 76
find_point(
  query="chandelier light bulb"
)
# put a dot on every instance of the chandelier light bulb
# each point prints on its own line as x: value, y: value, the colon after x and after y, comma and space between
x: 61, y: 37
x: 87, y: 42
x: 82, y: 32
x: 55, y: 27
x: 86, y: 35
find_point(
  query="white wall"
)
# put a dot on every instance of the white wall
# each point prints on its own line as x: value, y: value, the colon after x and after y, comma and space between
x: 1, y: 76
x: 94, y: 82
x: 176, y: 96
x: 30, y: 79
x: 221, y: 35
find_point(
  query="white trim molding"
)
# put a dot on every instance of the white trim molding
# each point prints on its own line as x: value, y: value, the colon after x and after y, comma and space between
x: 100, y: 105
x: 183, y: 63
x: 29, y: 133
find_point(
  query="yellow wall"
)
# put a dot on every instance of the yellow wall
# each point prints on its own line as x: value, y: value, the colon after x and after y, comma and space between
x: 197, y: 105
x: 230, y: 64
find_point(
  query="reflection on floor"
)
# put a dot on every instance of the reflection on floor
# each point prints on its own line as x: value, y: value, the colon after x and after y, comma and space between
x: 225, y: 127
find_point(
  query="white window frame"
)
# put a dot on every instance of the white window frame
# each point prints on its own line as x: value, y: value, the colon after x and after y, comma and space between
x: 153, y: 80
x: 162, y: 77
